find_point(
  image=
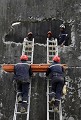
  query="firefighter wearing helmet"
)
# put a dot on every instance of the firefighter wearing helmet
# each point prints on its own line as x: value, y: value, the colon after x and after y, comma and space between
x: 49, y: 35
x: 22, y: 74
x: 29, y: 36
x: 63, y: 36
x: 56, y: 72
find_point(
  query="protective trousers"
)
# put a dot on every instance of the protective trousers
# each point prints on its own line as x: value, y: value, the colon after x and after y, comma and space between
x: 57, y: 86
x: 23, y: 87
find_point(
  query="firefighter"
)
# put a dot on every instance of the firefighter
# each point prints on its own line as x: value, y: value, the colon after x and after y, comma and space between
x: 22, y: 74
x: 49, y: 35
x: 56, y: 72
x: 29, y: 36
x: 63, y: 36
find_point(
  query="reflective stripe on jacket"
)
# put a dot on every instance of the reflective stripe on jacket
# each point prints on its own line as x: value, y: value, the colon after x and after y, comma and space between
x: 55, y: 69
x: 63, y: 38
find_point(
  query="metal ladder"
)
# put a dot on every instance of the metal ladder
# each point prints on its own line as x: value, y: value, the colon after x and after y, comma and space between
x: 52, y: 49
x: 28, y: 49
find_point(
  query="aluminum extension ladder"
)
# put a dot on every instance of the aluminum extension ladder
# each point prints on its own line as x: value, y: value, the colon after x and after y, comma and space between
x: 28, y: 49
x: 52, y: 49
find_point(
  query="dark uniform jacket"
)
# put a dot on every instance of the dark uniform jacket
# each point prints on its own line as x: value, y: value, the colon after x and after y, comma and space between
x: 63, y: 38
x: 22, y: 72
x: 55, y: 70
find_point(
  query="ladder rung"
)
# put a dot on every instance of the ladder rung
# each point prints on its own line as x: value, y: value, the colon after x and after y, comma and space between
x: 21, y: 92
x: 52, y: 50
x: 29, y: 61
x: 21, y: 113
x: 29, y: 56
x: 23, y: 102
x: 50, y: 61
x: 51, y: 41
x: 50, y: 55
x: 50, y: 111
x: 52, y: 46
x: 27, y: 51
x: 28, y: 41
x: 49, y: 93
x: 28, y: 46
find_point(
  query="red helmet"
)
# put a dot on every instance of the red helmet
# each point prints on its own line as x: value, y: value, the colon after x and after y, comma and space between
x: 56, y: 58
x: 49, y: 32
x: 24, y: 57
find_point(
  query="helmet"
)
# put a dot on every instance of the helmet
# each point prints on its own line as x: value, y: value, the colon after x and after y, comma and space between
x: 56, y: 58
x: 62, y: 26
x: 24, y: 57
x: 49, y: 32
x: 30, y: 33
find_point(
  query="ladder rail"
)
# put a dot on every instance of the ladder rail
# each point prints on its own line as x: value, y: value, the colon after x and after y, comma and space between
x: 28, y: 108
x: 47, y: 99
x: 47, y: 51
x: 15, y: 109
x: 24, y: 43
x: 60, y: 110
x: 32, y: 51
x: 56, y: 46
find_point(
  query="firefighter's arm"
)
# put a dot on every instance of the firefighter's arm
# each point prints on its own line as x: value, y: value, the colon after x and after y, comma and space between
x: 48, y: 71
x: 14, y: 74
x: 66, y: 36
x: 30, y: 72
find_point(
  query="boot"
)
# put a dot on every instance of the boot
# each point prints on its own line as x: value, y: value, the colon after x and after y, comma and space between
x: 19, y: 99
x: 22, y: 110
x: 56, y: 109
x: 52, y: 101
